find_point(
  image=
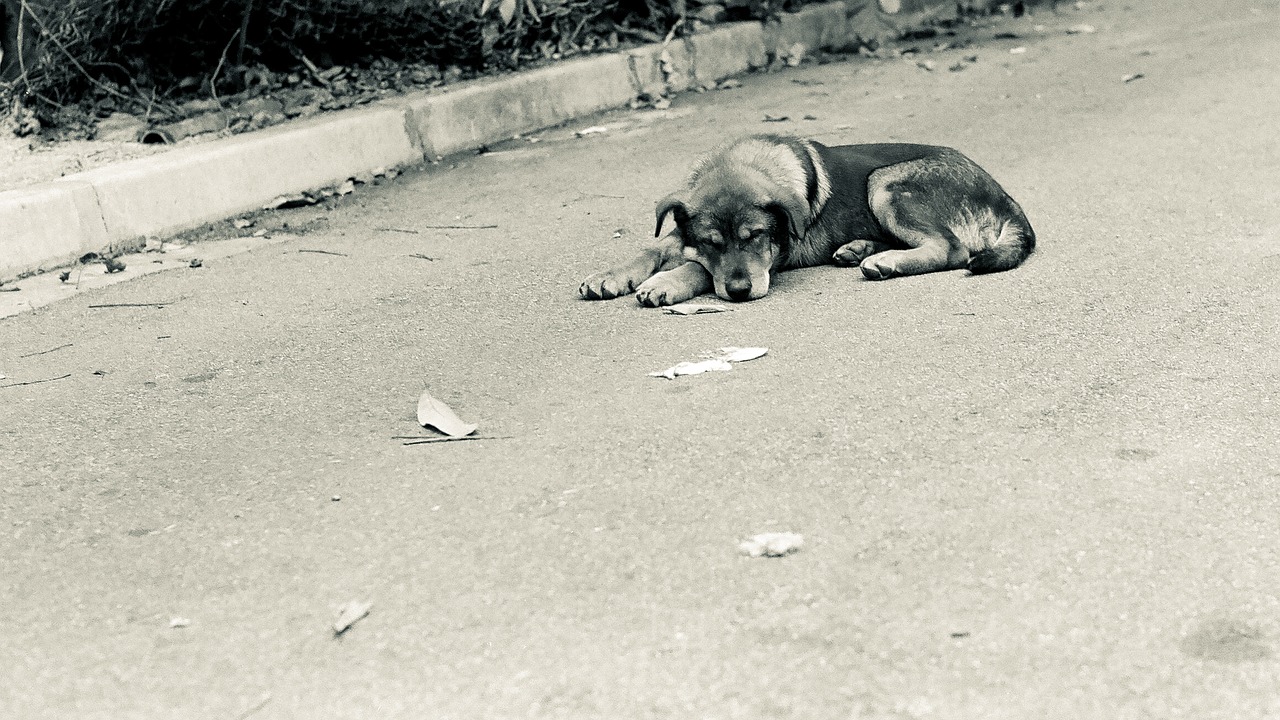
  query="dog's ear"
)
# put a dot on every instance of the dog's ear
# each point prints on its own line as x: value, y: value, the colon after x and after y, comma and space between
x: 671, y: 205
x: 792, y: 216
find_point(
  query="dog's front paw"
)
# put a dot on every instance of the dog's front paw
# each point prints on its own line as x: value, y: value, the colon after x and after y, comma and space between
x: 665, y: 288
x: 852, y: 254
x: 877, y: 267
x: 658, y: 294
x: 605, y: 286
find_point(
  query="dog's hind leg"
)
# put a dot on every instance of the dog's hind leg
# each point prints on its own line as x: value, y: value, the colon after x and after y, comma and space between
x: 931, y: 246
x: 951, y: 213
x: 851, y: 254
x: 622, y: 279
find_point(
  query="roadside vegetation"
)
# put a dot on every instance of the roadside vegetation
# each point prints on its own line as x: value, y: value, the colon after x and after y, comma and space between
x: 66, y: 63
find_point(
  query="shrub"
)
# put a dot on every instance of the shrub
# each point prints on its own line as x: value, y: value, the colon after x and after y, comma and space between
x: 140, y: 50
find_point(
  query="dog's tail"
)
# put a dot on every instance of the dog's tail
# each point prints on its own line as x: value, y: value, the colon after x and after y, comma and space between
x: 1014, y: 243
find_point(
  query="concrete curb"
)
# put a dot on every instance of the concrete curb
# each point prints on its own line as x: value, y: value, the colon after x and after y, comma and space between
x: 119, y: 206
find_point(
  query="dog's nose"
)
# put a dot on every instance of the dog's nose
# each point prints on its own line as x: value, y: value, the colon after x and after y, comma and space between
x: 738, y: 290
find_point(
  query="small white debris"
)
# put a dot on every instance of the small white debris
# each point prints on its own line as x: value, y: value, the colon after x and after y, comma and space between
x: 593, y: 130
x: 351, y: 613
x: 695, y: 309
x: 1081, y: 29
x: 1017, y: 51
x: 242, y: 223
x: 659, y: 104
x: 693, y: 368
x: 433, y: 413
x: 775, y: 544
x: 178, y: 622
x: 716, y: 361
x: 1131, y: 77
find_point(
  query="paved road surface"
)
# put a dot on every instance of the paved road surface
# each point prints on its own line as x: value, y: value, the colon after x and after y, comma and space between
x: 1047, y: 493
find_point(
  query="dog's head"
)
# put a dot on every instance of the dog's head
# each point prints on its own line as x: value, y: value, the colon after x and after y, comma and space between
x: 737, y: 229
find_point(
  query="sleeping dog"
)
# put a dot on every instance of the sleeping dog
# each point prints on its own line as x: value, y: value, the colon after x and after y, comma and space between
x: 767, y: 203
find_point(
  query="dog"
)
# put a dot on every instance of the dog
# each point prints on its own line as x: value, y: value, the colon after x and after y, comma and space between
x: 767, y: 203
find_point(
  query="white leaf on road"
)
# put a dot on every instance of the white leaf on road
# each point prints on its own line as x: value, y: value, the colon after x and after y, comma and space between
x: 694, y: 309
x: 593, y: 130
x: 693, y: 368
x: 772, y: 544
x: 178, y: 622
x: 351, y: 613
x: 1081, y: 29
x: 1017, y: 51
x: 716, y: 361
x: 1131, y: 77
x: 433, y: 413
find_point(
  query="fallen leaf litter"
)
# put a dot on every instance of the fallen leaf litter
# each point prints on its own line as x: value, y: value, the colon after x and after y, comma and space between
x: 715, y: 361
x: 775, y: 544
x: 350, y: 614
x: 433, y: 413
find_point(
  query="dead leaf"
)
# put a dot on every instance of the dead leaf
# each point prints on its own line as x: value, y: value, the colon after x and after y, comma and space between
x: 351, y: 613
x: 242, y: 223
x: 285, y: 202
x: 178, y: 622
x: 779, y: 118
x: 772, y: 544
x: 346, y: 188
x: 662, y: 103
x: 1131, y: 77
x: 729, y: 84
x: 693, y: 368
x: 695, y: 309
x: 593, y: 130
x: 715, y: 361
x: 433, y: 413
x: 926, y: 65
x: 507, y: 9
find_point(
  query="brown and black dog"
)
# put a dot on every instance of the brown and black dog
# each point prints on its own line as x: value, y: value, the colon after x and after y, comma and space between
x: 767, y: 203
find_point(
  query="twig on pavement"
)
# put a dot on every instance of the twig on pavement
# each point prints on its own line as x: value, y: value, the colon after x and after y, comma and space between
x: 461, y: 227
x: 420, y: 256
x: 60, y: 377
x: 46, y: 352
x: 323, y: 252
x: 144, y: 304
x: 399, y: 230
x: 419, y: 440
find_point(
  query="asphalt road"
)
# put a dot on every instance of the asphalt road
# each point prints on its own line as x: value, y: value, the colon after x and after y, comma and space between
x: 1048, y: 493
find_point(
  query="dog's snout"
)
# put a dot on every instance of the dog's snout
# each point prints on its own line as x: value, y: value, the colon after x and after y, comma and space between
x: 739, y: 289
